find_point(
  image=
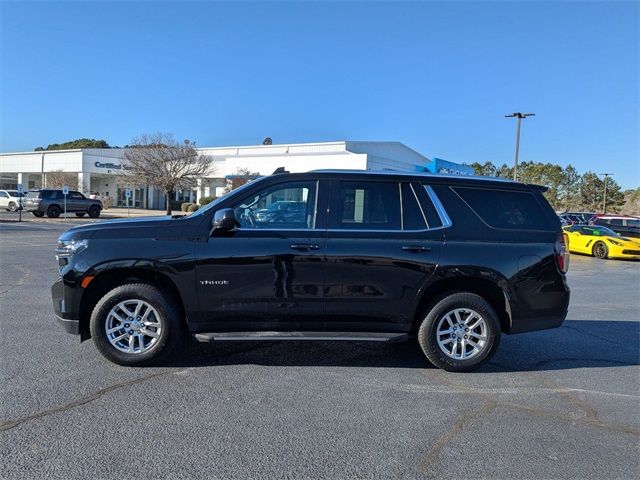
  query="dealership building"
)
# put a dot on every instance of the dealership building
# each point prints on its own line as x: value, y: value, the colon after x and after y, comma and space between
x: 98, y: 171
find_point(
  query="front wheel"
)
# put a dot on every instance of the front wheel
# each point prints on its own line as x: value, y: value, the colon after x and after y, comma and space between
x: 135, y: 324
x: 94, y: 212
x: 460, y: 332
x: 13, y: 207
x: 600, y: 250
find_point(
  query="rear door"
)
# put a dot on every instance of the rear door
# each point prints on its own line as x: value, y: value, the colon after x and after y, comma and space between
x: 380, y: 254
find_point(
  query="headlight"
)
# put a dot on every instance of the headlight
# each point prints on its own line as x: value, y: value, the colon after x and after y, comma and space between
x: 66, y: 248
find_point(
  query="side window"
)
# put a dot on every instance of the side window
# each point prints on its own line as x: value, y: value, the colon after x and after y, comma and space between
x: 412, y: 216
x: 366, y: 206
x: 505, y: 208
x: 615, y: 221
x: 284, y: 206
x: 4, y: 195
x: 76, y: 196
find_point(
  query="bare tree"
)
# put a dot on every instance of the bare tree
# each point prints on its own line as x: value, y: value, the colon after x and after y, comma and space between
x: 159, y: 160
x: 58, y: 179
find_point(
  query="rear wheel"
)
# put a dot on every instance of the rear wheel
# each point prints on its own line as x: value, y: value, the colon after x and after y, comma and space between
x: 53, y: 211
x: 94, y: 212
x: 460, y: 332
x: 12, y: 206
x: 135, y: 324
x: 600, y: 250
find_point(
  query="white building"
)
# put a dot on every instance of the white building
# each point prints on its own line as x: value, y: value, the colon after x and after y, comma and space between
x: 97, y: 169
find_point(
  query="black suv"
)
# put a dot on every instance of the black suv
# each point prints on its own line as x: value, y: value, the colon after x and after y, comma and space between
x: 453, y: 261
x: 51, y: 203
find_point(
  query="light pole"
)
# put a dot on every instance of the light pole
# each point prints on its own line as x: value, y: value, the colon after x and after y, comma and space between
x: 519, y: 116
x: 604, y: 203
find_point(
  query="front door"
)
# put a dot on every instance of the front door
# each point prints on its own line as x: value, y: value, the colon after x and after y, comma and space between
x: 380, y: 253
x: 267, y: 274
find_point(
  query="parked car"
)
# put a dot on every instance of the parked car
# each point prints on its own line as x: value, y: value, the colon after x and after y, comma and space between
x: 624, y: 225
x: 601, y: 242
x: 452, y: 261
x: 280, y: 211
x: 581, y: 218
x: 11, y: 200
x: 51, y: 203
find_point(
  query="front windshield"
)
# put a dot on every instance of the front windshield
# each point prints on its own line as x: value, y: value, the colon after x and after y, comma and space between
x: 211, y: 205
x: 598, y: 231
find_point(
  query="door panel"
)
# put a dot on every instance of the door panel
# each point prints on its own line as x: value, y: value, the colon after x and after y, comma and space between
x: 375, y: 269
x: 268, y: 273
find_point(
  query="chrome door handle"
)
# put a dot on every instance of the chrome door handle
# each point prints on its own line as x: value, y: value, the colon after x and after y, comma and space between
x: 304, y: 246
x: 416, y: 248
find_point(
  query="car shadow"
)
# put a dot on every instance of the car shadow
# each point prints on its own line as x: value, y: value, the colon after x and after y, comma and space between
x: 577, y: 344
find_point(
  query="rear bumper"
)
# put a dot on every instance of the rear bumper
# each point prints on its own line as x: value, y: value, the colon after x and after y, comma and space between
x: 67, y: 319
x: 551, y: 317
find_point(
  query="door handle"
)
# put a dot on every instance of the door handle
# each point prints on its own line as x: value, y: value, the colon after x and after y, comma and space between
x: 416, y: 248
x: 304, y: 246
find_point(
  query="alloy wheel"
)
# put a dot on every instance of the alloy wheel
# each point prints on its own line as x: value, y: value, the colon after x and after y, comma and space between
x: 462, y: 333
x: 133, y: 326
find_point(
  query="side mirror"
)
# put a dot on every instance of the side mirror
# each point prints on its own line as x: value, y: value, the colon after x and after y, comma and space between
x: 224, y: 220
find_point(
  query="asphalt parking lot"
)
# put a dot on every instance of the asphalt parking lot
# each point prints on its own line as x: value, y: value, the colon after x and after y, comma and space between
x: 563, y: 403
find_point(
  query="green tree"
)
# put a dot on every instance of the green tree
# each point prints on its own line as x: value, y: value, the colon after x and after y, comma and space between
x: 72, y: 144
x: 569, y: 189
x: 631, y: 202
x: 487, y: 169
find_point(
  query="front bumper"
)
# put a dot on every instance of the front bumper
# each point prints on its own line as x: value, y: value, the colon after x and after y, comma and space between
x: 68, y: 319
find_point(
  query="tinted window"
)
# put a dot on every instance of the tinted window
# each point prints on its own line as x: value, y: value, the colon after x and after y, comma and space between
x: 3, y: 195
x: 615, y: 221
x: 366, y: 206
x: 633, y: 223
x: 284, y: 206
x: 412, y: 217
x: 76, y: 195
x: 504, y: 208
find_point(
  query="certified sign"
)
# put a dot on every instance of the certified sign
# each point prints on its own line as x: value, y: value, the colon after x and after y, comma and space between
x: 65, y: 190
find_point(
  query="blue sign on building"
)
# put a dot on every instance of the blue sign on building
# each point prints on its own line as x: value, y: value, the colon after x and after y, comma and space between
x: 438, y: 165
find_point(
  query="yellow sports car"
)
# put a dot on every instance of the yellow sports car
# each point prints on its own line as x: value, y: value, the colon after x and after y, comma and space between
x: 601, y: 242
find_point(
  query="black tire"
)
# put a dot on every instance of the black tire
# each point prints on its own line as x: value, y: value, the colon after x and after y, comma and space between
x: 94, y: 211
x: 170, y: 319
x: 53, y: 211
x: 81, y: 214
x: 438, y: 310
x: 12, y: 206
x: 600, y: 250
x: 38, y: 214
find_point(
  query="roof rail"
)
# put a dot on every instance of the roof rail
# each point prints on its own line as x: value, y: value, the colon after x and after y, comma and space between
x: 279, y: 170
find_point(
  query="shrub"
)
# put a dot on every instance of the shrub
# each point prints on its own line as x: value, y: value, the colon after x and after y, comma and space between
x: 193, y: 207
x: 185, y: 206
x: 205, y: 200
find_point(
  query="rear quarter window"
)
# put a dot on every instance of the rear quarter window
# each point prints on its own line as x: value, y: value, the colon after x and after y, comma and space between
x: 506, y: 209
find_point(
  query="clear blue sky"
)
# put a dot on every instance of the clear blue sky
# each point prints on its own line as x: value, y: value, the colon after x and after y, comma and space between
x: 436, y: 76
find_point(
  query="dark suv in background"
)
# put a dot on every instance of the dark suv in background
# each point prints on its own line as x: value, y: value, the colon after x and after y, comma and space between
x: 51, y: 203
x: 453, y: 261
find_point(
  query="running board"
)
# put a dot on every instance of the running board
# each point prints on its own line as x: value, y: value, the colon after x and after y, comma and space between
x: 301, y: 336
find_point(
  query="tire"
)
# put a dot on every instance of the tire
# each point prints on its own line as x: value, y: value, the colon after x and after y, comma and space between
x: 81, y: 214
x: 455, y: 309
x: 165, y: 313
x: 38, y: 214
x: 600, y: 250
x: 94, y: 212
x: 12, y: 206
x: 53, y: 211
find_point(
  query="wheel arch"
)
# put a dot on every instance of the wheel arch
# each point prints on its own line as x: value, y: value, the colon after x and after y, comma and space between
x: 109, y: 278
x: 491, y: 291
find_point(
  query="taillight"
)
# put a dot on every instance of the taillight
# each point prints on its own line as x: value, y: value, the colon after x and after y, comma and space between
x: 562, y: 252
